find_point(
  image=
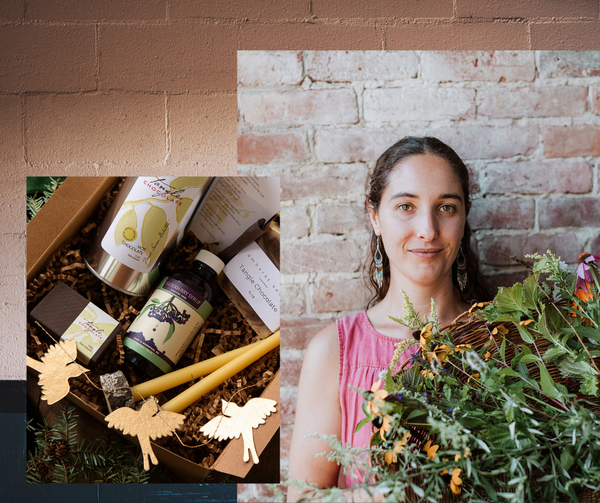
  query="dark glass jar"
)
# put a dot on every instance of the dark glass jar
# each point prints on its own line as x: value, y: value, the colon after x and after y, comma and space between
x: 173, y: 316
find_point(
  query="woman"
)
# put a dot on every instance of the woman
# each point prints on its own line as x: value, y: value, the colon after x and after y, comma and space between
x: 418, y: 202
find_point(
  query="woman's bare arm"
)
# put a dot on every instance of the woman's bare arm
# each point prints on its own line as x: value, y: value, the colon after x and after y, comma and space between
x: 317, y: 411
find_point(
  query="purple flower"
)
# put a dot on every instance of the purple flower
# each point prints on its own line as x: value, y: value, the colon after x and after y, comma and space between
x: 584, y: 275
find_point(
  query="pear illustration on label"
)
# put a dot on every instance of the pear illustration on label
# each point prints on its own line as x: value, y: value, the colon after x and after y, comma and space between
x: 149, y: 217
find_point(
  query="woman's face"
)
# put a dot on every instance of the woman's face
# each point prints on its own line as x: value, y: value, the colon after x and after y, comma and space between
x: 421, y: 219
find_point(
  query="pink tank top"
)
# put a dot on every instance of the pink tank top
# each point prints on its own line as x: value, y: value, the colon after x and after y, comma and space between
x: 364, y: 353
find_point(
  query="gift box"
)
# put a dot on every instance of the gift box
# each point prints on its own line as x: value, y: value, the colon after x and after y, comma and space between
x: 56, y: 238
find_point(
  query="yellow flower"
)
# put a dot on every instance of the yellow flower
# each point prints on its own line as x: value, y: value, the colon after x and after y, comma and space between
x: 457, y: 457
x: 386, y: 424
x: 467, y: 452
x: 500, y: 328
x: 583, y: 295
x: 378, y: 401
x: 455, y: 481
x: 524, y: 323
x: 477, y: 306
x: 474, y: 376
x: 428, y: 373
x: 391, y: 456
x: 487, y: 355
x: 431, y: 450
x: 425, y: 336
x: 461, y: 348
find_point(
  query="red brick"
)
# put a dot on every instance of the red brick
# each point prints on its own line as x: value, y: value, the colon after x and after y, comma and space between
x: 506, y: 278
x: 75, y: 10
x: 239, y: 9
x: 320, y: 256
x: 494, y: 66
x: 295, y: 221
x: 596, y: 98
x: 310, y: 36
x: 96, y: 127
x: 203, y: 133
x: 594, y: 245
x: 287, y: 402
x: 255, y: 493
x: 532, y: 102
x: 47, y: 58
x: 383, y: 8
x: 489, y: 142
x: 340, y: 218
x: 355, y: 145
x: 180, y: 56
x: 565, y: 244
x: 265, y: 68
x: 12, y: 10
x: 502, y: 213
x: 569, y: 64
x: 11, y: 128
x: 571, y: 141
x: 423, y: 104
x: 340, y: 295
x: 531, y: 9
x: 565, y: 36
x: 292, y: 299
x: 342, y: 181
x: 264, y: 148
x: 350, y: 66
x: 537, y: 177
x: 290, y: 371
x: 569, y: 212
x: 337, y: 106
x: 457, y: 36
x: 296, y: 333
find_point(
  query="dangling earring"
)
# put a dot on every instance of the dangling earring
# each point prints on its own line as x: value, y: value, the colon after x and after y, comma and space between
x: 461, y: 269
x: 378, y: 258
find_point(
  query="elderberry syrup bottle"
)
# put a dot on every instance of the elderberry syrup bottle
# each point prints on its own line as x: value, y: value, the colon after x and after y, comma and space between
x: 172, y: 317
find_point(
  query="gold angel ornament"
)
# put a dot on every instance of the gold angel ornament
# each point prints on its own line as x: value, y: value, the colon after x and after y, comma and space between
x: 147, y: 424
x: 240, y: 420
x: 56, y: 367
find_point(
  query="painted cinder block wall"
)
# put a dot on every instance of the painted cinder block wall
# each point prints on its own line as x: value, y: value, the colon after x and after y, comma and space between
x: 110, y: 87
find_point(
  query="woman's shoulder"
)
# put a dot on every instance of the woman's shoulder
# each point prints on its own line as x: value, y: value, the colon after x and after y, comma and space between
x: 328, y: 337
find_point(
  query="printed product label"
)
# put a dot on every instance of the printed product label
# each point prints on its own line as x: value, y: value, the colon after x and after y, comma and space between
x: 167, y: 323
x: 90, y: 329
x: 146, y: 221
x: 257, y: 279
x: 233, y: 204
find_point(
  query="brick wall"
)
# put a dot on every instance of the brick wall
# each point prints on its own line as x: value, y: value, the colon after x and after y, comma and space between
x: 527, y: 123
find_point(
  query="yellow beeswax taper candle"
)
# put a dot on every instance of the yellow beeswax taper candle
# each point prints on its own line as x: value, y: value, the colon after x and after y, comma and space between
x: 195, y: 392
x: 181, y: 376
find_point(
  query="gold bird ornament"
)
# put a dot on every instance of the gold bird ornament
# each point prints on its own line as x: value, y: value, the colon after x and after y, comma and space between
x: 147, y: 424
x: 240, y: 420
x: 57, y: 366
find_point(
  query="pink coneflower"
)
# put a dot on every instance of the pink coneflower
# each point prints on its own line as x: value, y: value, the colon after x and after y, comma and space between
x: 584, y: 275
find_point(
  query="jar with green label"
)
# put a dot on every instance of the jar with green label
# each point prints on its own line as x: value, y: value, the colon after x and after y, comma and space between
x: 173, y: 316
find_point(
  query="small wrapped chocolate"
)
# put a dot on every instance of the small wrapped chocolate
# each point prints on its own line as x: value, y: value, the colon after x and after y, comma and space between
x: 65, y: 314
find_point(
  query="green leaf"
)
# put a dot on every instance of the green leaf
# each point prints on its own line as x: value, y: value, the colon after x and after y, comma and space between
x: 508, y: 371
x: 553, y: 353
x: 418, y: 491
x: 530, y: 358
x: 589, y: 332
x: 567, y: 459
x: 361, y: 423
x: 503, y: 349
x: 416, y: 413
x: 547, y: 384
x: 524, y: 333
x: 510, y: 299
x: 531, y: 293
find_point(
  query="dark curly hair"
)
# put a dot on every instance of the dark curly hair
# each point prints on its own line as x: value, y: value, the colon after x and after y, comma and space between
x: 477, y: 287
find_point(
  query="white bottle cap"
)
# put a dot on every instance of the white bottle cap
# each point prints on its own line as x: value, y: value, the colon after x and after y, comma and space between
x: 211, y: 260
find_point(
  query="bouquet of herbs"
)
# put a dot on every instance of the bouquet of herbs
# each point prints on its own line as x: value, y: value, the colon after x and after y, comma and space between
x: 504, y: 407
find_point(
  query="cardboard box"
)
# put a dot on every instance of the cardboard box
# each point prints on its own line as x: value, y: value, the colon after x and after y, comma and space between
x: 65, y: 214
